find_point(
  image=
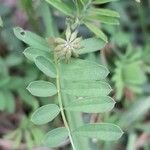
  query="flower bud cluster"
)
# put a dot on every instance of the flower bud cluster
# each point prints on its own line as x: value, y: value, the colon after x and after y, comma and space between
x: 65, y: 48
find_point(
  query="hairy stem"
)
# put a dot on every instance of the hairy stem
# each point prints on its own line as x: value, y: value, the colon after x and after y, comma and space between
x: 61, y: 105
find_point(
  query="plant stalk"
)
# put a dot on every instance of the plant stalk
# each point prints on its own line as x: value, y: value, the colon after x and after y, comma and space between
x: 61, y: 105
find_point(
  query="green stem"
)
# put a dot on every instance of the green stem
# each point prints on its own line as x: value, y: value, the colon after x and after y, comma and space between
x: 61, y: 105
x: 74, y: 120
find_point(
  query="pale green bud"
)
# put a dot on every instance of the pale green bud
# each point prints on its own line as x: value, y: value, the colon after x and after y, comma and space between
x: 68, y: 33
x: 73, y: 36
x: 59, y: 41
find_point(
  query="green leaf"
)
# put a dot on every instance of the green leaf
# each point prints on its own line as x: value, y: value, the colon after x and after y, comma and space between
x: 29, y: 141
x: 131, y: 141
x: 2, y: 101
x: 118, y: 80
x: 121, y: 38
x: 86, y: 70
x: 61, y: 6
x: 31, y: 39
x: 13, y: 60
x: 42, y: 88
x: 103, y: 19
x: 3, y: 70
x: 133, y: 74
x: 28, y: 99
x: 103, y: 12
x: 38, y: 135
x: 11, y: 135
x: 103, y: 1
x: 14, y: 83
x: 79, y: 4
x: 10, y: 101
x: 4, y: 81
x: 135, y: 112
x: 32, y: 73
x: 92, y: 105
x: 17, y: 140
x: 46, y: 66
x: 1, y: 22
x: 31, y: 53
x: 84, y: 1
x: 49, y: 25
x: 96, y: 31
x: 143, y: 127
x: 87, y: 88
x: 45, y: 114
x: 81, y: 1
x: 102, y: 131
x: 55, y: 137
x: 91, y: 45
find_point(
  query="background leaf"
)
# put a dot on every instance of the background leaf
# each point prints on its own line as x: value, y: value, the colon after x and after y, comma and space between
x: 1, y: 22
x: 60, y: 6
x: 135, y: 112
x: 10, y: 102
x: 103, y: 1
x: 2, y: 101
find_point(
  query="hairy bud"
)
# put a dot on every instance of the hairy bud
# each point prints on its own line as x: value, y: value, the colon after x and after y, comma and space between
x: 65, y: 48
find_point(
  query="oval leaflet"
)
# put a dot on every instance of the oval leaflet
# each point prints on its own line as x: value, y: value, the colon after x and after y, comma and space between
x: 45, y: 114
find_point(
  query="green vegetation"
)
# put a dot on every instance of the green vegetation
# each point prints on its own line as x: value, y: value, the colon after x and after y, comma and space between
x: 58, y: 60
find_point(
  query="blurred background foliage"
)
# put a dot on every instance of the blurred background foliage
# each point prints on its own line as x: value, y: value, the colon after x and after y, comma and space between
x: 127, y: 55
